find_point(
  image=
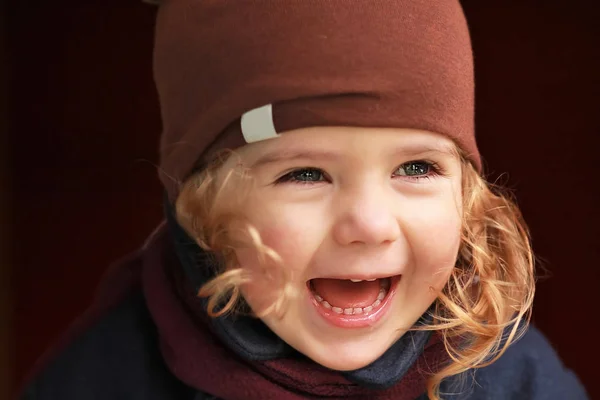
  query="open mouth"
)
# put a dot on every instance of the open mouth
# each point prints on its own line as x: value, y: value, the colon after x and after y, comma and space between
x: 352, y: 302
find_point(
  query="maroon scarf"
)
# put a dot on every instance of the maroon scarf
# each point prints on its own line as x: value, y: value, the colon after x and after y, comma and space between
x: 198, y: 358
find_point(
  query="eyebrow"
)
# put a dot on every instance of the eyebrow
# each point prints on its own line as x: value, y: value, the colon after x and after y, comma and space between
x: 295, y: 154
x: 414, y: 150
x: 411, y: 150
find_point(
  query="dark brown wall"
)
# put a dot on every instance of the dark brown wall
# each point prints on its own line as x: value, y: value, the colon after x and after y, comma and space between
x: 84, y: 137
x: 6, y: 323
x: 84, y: 117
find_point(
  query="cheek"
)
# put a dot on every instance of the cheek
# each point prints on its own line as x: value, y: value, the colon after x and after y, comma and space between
x: 293, y: 231
x: 287, y: 240
x: 293, y: 239
x: 435, y: 241
x: 290, y: 235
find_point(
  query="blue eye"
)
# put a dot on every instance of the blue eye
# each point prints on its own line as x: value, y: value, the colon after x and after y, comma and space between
x: 415, y: 169
x: 303, y: 175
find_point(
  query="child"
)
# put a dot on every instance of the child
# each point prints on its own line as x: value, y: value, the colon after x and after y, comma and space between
x: 328, y: 231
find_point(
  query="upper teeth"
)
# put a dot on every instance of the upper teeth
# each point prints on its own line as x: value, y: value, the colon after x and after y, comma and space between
x: 360, y: 280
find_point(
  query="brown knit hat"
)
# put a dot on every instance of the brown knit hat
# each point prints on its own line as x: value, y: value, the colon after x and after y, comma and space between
x: 268, y: 66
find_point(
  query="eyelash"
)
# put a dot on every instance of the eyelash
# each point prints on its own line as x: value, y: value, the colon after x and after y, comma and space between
x: 434, y: 170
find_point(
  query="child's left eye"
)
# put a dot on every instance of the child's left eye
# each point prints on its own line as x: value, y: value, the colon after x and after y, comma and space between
x: 416, y: 169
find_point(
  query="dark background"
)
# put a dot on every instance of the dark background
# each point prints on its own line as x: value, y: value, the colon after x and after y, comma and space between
x: 79, y: 187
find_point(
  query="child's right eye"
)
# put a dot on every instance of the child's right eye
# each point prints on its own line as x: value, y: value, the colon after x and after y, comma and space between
x: 303, y: 176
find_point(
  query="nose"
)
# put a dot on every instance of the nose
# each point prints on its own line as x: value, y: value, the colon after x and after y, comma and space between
x: 366, y: 216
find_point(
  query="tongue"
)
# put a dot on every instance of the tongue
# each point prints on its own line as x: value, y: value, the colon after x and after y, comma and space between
x: 345, y: 293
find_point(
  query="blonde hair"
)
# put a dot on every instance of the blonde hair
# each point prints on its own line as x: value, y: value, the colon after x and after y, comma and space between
x: 482, y: 309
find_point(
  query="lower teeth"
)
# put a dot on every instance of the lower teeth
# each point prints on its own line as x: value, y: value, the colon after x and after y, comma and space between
x: 355, y: 310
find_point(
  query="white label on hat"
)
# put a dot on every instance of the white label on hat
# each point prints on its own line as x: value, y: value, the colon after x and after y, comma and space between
x: 258, y: 124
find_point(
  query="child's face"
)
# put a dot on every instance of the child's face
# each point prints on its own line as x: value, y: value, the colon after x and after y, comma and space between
x: 352, y: 203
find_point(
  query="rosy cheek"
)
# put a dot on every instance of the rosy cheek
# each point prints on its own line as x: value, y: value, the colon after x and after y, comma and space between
x: 268, y: 277
x: 436, y: 251
x: 293, y: 234
x: 276, y: 236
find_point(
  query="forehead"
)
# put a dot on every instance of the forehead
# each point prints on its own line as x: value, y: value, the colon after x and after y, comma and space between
x: 334, y: 142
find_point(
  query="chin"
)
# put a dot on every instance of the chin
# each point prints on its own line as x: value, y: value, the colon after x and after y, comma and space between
x: 346, y: 356
x: 345, y: 364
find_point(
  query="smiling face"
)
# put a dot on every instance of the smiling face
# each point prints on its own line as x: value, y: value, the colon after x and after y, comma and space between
x: 345, y: 204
